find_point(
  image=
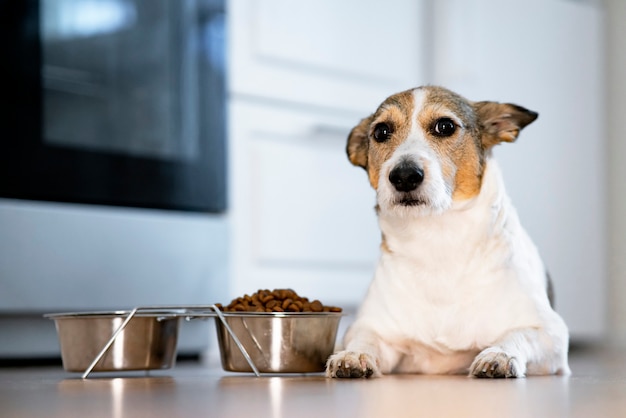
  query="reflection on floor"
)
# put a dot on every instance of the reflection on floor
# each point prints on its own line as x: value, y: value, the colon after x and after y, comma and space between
x: 597, y: 388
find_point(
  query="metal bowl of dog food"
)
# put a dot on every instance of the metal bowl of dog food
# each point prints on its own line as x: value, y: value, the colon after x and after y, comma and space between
x: 277, y: 342
x: 147, y: 342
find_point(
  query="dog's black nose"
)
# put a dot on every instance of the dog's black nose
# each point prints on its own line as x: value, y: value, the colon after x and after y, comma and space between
x: 406, y: 177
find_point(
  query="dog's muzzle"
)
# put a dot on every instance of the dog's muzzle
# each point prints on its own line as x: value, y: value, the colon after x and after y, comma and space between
x: 406, y: 177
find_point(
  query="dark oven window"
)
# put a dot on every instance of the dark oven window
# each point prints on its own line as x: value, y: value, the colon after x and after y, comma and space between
x: 118, y: 102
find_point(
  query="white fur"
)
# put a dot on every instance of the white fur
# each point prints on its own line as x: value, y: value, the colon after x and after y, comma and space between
x: 462, y: 289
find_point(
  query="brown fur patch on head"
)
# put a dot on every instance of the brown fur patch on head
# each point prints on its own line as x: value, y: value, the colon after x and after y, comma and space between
x: 461, y: 155
x: 502, y: 122
x: 483, y: 125
x: 363, y: 151
x: 358, y: 143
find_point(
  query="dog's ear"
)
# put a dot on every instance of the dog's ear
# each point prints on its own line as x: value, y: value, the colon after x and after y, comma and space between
x: 358, y: 143
x: 501, y: 122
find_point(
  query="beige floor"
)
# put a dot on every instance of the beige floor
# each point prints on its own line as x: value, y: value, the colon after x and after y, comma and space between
x: 597, y: 388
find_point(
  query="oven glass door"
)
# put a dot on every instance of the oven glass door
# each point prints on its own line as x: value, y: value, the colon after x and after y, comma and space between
x: 118, y: 102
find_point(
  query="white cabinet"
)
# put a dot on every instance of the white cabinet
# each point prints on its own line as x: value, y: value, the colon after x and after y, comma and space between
x: 345, y: 54
x: 303, y: 216
x: 547, y: 56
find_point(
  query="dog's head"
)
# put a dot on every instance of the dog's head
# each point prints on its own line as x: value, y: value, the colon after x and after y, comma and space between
x: 425, y: 148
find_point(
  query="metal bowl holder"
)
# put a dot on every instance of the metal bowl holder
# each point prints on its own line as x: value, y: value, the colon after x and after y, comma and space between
x: 163, y: 312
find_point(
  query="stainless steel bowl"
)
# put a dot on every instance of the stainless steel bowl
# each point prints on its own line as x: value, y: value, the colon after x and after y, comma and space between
x: 278, y: 342
x: 147, y: 342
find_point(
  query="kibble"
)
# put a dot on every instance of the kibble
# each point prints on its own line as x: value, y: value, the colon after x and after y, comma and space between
x: 277, y: 300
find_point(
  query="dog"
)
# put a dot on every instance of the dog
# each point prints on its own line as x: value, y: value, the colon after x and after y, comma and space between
x: 460, y: 287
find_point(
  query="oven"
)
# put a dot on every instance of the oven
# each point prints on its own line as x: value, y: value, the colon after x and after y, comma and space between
x: 113, y: 162
x: 116, y: 102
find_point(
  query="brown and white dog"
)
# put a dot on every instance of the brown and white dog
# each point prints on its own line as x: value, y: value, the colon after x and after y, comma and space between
x: 459, y: 286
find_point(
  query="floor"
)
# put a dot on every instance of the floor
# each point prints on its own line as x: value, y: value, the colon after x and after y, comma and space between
x: 597, y: 388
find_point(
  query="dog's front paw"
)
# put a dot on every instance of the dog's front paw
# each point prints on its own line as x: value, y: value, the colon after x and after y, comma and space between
x: 495, y: 363
x: 351, y: 364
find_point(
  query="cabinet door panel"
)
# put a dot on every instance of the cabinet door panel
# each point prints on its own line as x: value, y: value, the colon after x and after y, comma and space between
x: 302, y: 215
x: 305, y: 198
x: 349, y: 54
x: 319, y: 35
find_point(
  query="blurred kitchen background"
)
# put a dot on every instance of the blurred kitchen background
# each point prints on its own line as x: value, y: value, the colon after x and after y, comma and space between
x: 191, y: 151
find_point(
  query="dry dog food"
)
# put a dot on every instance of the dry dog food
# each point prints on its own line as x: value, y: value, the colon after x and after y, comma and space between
x: 277, y: 300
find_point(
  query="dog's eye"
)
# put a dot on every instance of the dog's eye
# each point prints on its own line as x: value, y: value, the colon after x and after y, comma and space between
x: 444, y: 127
x: 382, y: 132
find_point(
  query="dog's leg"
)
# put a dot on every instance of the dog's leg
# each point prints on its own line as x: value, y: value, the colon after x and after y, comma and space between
x: 532, y: 351
x: 361, y: 358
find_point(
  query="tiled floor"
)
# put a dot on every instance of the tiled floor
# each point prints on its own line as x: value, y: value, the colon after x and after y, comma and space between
x: 597, y: 388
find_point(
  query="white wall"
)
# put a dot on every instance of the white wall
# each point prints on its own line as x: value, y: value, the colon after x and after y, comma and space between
x: 616, y: 112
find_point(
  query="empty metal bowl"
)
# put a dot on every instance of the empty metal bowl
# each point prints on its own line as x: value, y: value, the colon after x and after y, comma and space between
x: 278, y: 342
x: 147, y: 342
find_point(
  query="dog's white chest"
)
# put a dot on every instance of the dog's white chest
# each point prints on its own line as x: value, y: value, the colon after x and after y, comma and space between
x: 460, y: 306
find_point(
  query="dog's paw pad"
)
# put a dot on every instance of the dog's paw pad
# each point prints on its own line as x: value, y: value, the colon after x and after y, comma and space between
x: 349, y: 364
x: 495, y: 364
